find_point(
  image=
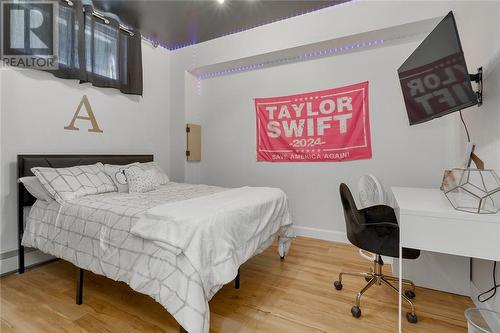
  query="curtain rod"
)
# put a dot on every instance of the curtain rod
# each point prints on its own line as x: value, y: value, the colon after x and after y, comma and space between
x: 101, y: 16
x: 121, y: 26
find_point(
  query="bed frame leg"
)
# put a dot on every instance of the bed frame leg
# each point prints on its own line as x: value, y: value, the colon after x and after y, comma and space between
x: 21, y: 259
x: 237, y: 280
x: 79, y: 287
x: 182, y: 330
x: 20, y: 222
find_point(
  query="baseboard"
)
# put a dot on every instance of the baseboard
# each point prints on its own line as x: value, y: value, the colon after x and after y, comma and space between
x: 474, y: 292
x: 10, y: 264
x: 323, y: 234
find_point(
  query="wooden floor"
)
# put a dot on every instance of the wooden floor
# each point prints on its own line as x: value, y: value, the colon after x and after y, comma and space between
x: 294, y: 296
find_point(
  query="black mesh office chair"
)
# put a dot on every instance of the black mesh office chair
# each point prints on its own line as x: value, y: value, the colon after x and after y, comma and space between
x: 375, y: 229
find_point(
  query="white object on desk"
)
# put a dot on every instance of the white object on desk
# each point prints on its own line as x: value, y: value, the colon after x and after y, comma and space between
x: 427, y: 221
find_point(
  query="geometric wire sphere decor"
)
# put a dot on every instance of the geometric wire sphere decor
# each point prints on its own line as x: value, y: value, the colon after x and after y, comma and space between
x: 472, y: 190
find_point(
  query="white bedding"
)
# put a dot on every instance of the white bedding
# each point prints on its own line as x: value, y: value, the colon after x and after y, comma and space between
x: 94, y: 233
x: 209, y: 230
x: 26, y: 213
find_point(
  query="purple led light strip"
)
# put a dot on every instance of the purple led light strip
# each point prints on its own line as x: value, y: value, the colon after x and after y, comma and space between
x: 306, y: 56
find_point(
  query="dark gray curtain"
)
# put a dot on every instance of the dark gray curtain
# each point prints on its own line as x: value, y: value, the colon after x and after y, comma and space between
x: 113, y: 57
x: 97, y: 51
x: 71, y: 37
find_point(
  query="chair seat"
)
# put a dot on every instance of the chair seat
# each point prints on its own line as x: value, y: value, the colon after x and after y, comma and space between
x: 410, y: 253
x: 388, y: 249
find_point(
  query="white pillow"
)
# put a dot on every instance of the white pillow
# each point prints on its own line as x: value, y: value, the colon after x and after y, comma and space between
x: 74, y: 182
x: 35, y: 188
x: 115, y: 172
x: 140, y: 181
x: 162, y: 176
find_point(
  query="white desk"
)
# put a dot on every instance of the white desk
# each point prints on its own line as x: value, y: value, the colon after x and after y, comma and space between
x: 427, y: 221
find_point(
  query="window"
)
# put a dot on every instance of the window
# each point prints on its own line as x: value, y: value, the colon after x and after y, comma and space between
x: 112, y: 56
x: 69, y: 59
x: 93, y: 48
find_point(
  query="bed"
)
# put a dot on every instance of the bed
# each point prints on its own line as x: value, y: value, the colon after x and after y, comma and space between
x: 97, y: 233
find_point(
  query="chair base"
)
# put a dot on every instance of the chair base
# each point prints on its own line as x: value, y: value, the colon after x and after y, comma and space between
x: 375, y: 276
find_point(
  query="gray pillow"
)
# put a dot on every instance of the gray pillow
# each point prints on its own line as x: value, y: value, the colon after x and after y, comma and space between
x: 35, y: 188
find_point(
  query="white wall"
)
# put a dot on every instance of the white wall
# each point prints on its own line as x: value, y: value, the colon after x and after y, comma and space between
x: 477, y: 27
x: 35, y: 107
x: 226, y: 111
x: 401, y: 155
x: 334, y: 22
x: 224, y: 107
x: 177, y: 131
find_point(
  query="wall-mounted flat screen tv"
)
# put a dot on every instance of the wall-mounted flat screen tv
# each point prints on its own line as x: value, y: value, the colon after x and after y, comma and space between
x: 434, y: 79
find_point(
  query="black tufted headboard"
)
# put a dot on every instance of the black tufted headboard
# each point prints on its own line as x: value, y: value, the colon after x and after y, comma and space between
x: 26, y: 162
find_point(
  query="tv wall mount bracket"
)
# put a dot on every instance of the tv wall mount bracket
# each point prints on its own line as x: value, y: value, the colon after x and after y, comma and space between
x: 478, y: 78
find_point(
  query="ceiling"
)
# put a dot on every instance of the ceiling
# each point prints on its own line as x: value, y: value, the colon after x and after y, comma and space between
x: 177, y: 23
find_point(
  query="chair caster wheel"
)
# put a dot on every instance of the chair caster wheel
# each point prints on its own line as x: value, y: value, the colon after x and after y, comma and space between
x: 356, y: 311
x: 410, y: 294
x: 282, y: 258
x: 337, y: 285
x: 412, y: 318
x: 367, y: 279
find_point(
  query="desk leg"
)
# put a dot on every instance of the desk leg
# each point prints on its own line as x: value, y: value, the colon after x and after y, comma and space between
x: 400, y: 287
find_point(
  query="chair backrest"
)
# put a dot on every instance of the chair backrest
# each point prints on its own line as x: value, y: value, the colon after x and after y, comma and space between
x: 352, y: 216
x: 383, y: 240
x: 347, y: 200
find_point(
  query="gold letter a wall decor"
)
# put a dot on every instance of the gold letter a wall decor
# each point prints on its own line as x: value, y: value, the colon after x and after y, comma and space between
x: 90, y: 116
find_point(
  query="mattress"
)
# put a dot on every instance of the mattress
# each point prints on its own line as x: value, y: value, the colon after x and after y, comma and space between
x: 93, y: 233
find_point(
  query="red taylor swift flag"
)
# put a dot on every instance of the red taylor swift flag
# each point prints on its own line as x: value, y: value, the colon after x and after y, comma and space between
x: 328, y: 125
